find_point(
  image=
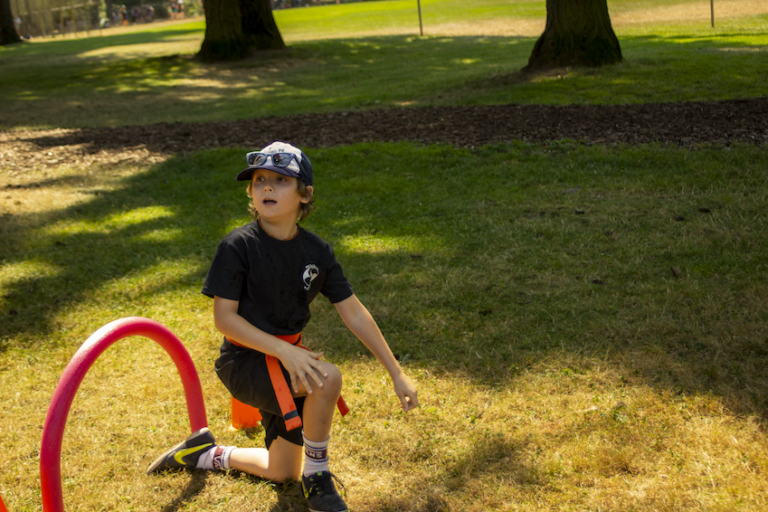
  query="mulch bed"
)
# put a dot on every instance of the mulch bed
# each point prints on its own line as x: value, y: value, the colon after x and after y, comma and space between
x: 686, y: 124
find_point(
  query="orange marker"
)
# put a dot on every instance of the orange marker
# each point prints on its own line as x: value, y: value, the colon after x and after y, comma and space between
x: 243, y: 415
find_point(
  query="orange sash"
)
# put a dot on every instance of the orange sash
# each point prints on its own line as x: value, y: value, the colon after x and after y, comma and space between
x: 282, y: 390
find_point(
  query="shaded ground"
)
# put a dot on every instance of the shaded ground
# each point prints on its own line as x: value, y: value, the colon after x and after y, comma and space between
x: 683, y: 124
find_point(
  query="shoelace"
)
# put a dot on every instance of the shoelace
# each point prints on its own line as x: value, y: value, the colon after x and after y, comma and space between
x: 343, y: 489
x: 326, y: 486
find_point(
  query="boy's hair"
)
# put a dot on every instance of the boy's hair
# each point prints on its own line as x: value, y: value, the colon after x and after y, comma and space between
x: 304, y: 192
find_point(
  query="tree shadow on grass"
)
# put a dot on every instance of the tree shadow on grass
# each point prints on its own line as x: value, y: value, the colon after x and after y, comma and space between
x: 552, y: 261
x: 107, y: 39
x: 727, y: 63
x: 492, y: 458
x: 314, y: 76
x: 167, y: 218
x: 485, y: 281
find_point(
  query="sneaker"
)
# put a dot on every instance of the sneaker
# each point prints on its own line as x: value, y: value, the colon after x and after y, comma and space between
x: 186, y: 453
x: 321, y: 494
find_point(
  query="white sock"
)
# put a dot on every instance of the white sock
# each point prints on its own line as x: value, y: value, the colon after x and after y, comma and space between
x: 315, y: 456
x: 215, y: 458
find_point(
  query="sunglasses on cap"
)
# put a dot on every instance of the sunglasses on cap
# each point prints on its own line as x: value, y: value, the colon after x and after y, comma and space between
x: 281, y: 160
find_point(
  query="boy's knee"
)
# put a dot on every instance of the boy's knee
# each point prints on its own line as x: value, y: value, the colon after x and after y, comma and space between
x: 333, y: 381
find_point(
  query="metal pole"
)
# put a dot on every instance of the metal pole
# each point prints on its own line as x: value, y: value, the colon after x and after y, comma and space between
x: 421, y: 27
x: 712, y: 9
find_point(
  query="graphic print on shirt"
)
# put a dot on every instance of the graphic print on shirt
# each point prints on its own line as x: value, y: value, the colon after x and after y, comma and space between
x: 310, y: 273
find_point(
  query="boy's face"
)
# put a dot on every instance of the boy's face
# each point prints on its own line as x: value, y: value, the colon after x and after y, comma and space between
x: 275, y: 196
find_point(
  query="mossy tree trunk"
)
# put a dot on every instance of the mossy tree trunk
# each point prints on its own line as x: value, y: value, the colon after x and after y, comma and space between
x: 578, y: 33
x: 8, y: 34
x: 234, y: 29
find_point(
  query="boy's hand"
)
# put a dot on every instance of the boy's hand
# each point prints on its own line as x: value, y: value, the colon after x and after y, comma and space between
x: 301, y: 365
x: 406, y: 392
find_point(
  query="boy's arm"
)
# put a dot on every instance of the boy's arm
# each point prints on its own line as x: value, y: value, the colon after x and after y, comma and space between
x: 362, y: 324
x: 299, y: 362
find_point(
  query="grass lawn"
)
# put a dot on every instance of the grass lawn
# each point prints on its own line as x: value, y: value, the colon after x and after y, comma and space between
x: 148, y: 77
x: 587, y: 326
x: 562, y: 362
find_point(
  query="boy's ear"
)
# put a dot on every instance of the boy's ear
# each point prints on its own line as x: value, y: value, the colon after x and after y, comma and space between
x: 308, y: 197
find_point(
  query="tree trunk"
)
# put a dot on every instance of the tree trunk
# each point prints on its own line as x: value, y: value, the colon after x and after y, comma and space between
x: 578, y: 33
x: 224, y: 38
x: 8, y: 34
x: 236, y: 28
x: 259, y: 25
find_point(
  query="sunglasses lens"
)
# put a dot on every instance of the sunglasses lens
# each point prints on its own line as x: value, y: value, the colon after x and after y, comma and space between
x: 282, y: 159
x: 256, y: 159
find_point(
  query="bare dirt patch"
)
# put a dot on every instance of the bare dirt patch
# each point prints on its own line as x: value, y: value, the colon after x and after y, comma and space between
x: 682, y: 124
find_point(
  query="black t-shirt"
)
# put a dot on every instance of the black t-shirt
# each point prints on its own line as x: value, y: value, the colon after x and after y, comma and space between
x: 275, y: 280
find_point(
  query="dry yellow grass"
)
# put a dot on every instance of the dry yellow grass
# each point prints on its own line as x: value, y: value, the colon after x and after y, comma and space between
x: 600, y: 441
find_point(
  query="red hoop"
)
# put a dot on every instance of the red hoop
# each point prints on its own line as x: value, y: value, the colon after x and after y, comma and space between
x: 81, y: 362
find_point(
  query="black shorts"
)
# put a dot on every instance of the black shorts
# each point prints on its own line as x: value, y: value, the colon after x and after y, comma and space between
x: 244, y: 373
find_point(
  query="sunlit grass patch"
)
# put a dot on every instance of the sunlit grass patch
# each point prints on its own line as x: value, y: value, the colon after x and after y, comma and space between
x: 27, y: 269
x: 373, y: 244
x: 112, y: 224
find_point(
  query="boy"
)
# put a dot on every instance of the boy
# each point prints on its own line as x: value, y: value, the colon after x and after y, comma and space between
x: 262, y: 280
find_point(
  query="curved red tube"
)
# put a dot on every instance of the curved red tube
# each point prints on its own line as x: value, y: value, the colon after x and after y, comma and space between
x: 81, y: 362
